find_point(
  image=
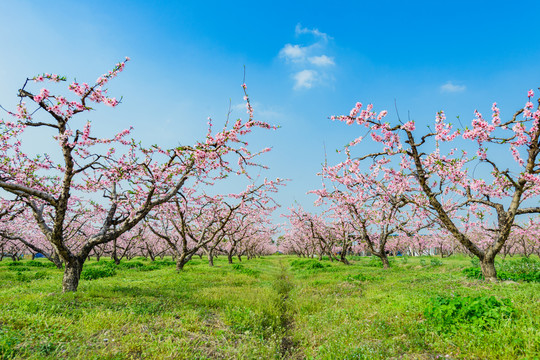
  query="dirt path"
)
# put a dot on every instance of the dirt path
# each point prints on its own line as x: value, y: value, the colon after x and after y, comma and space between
x: 288, y: 347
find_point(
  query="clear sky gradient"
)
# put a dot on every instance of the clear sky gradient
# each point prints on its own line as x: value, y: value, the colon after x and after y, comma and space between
x: 305, y: 61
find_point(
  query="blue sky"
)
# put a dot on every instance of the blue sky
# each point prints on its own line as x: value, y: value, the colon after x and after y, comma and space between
x: 305, y: 61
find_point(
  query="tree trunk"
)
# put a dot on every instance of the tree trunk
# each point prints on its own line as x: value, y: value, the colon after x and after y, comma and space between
x: 239, y: 256
x: 150, y: 253
x: 210, y: 258
x: 115, y: 253
x: 343, y: 258
x: 229, y: 257
x: 72, y: 275
x: 488, y: 269
x: 181, y: 261
x: 384, y: 260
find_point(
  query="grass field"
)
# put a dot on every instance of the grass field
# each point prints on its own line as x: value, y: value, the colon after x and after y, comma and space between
x: 269, y: 308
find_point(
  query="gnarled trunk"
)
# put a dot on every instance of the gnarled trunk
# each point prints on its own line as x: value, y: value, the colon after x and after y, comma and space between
x: 181, y: 260
x: 343, y: 258
x: 384, y: 259
x: 72, y: 275
x: 488, y: 269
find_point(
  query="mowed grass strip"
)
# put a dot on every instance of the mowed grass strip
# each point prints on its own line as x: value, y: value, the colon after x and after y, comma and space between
x: 269, y: 308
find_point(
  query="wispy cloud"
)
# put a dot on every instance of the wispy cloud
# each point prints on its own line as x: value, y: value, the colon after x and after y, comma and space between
x: 309, y: 64
x: 295, y: 53
x: 299, y: 30
x: 305, y: 79
x: 450, y: 87
x: 322, y: 60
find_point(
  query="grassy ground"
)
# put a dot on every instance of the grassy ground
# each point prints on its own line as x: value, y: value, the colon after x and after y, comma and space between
x: 270, y: 308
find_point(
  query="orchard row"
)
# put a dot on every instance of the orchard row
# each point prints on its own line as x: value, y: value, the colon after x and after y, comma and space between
x: 90, y: 195
x: 421, y: 190
x: 113, y: 196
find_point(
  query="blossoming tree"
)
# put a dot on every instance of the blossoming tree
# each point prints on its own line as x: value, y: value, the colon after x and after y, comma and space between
x: 444, y: 183
x: 131, y: 179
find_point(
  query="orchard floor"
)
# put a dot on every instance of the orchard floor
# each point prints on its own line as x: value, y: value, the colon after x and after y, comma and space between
x: 275, y: 307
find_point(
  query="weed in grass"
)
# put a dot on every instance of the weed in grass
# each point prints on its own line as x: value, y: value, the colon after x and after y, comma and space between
x: 377, y: 263
x: 131, y: 265
x: 18, y: 267
x: 41, y: 264
x: 308, y: 265
x: 524, y: 269
x: 436, y: 262
x: 93, y: 273
x: 446, y: 314
x: 241, y: 269
x: 164, y: 263
x: 9, y: 339
x: 358, y: 277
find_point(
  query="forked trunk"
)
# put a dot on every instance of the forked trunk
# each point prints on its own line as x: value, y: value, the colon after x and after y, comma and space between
x: 72, y: 275
x: 343, y: 258
x: 181, y: 260
x: 56, y: 259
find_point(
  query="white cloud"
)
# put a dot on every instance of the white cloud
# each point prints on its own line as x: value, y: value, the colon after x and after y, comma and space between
x: 450, y: 87
x: 294, y: 53
x: 322, y: 60
x: 305, y: 79
x: 300, y: 30
x: 309, y: 63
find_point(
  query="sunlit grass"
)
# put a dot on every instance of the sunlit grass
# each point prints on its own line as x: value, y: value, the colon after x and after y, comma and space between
x: 269, y: 308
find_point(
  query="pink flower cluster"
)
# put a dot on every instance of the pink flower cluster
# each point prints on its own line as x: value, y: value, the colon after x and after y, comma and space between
x: 443, y: 129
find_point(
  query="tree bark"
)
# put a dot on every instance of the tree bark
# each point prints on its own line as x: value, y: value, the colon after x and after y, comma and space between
x: 488, y: 269
x: 72, y: 275
x: 181, y: 260
x: 115, y: 253
x: 384, y: 259
x: 180, y: 264
x: 210, y: 257
x: 343, y: 258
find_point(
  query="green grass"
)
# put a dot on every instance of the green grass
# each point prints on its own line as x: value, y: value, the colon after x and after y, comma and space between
x: 270, y: 308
